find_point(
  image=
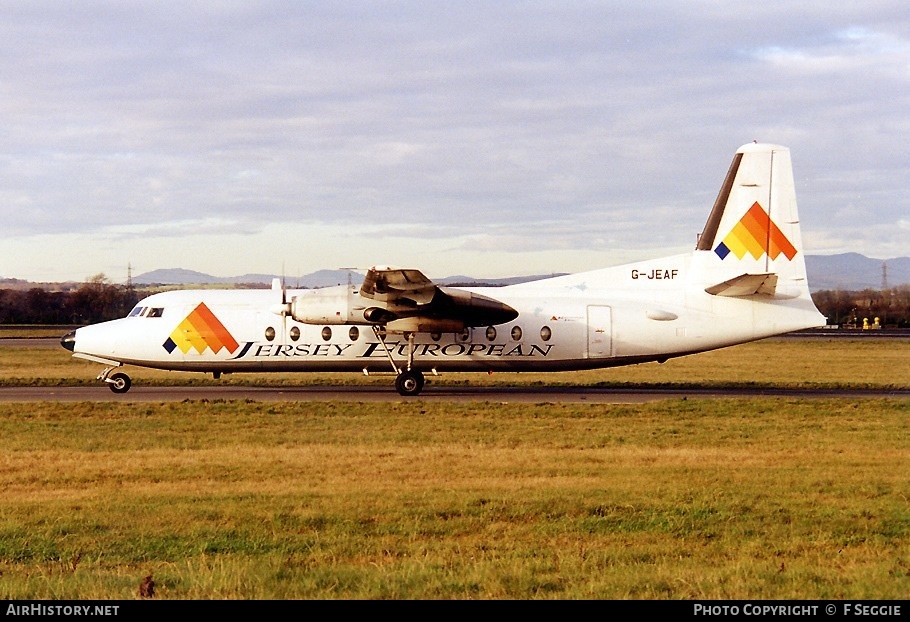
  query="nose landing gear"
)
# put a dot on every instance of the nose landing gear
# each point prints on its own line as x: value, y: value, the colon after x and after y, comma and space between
x: 118, y: 382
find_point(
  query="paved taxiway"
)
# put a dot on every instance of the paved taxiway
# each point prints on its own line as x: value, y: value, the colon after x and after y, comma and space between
x: 533, y: 395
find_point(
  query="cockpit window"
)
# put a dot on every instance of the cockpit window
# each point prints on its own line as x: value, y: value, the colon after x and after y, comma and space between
x: 146, y: 312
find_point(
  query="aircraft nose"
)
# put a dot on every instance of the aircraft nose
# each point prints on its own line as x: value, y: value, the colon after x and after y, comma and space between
x: 68, y: 341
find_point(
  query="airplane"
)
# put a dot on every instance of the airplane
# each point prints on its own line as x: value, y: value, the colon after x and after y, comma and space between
x: 745, y: 280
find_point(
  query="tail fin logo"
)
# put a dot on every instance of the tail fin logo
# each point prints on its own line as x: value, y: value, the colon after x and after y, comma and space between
x: 200, y: 330
x: 756, y: 234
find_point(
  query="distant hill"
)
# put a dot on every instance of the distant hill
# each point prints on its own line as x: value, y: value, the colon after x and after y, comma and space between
x: 175, y: 276
x: 180, y: 276
x: 847, y: 271
x: 852, y: 271
x: 320, y: 278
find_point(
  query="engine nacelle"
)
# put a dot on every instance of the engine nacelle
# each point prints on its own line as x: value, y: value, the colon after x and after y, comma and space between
x: 378, y: 315
x: 330, y: 305
x: 474, y: 309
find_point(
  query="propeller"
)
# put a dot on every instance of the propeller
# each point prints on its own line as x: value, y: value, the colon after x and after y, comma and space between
x: 284, y: 308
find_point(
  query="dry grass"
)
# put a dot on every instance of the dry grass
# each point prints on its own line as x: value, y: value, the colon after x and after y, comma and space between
x: 32, y: 331
x: 690, y: 499
x: 779, y: 362
x: 679, y: 499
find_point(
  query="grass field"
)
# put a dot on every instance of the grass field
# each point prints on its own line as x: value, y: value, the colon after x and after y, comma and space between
x: 779, y: 362
x: 754, y: 498
x: 31, y: 331
x: 695, y: 499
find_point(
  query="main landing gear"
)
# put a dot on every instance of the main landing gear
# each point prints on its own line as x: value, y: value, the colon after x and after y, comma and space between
x: 409, y: 381
x: 118, y: 382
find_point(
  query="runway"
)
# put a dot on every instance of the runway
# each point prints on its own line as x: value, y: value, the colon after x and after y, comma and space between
x: 499, y: 395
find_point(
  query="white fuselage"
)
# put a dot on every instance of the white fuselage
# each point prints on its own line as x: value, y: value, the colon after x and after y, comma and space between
x: 638, y: 312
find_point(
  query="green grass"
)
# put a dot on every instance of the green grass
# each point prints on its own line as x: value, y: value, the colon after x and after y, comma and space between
x: 32, y: 331
x: 677, y: 499
x: 779, y: 362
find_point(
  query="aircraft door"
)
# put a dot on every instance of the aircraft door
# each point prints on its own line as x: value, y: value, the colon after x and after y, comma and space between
x: 600, y: 331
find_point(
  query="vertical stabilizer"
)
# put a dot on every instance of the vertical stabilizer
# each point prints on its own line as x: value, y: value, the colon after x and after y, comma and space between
x: 753, y: 229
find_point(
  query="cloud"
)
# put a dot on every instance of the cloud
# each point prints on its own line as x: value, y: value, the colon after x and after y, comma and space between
x: 561, y: 128
x: 175, y: 229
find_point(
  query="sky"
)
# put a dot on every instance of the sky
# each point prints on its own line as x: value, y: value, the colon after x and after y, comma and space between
x: 488, y: 139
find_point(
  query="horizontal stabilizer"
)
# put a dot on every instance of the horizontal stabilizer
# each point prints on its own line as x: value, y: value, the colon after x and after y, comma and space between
x: 746, y: 285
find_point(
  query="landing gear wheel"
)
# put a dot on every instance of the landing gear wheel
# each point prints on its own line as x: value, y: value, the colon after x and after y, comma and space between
x: 119, y: 383
x: 409, y: 382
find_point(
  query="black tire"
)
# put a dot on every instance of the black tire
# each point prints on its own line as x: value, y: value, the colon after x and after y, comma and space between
x: 409, y: 383
x: 119, y: 383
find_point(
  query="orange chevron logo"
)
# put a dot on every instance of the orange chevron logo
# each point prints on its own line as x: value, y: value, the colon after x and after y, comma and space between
x: 200, y: 330
x: 756, y: 234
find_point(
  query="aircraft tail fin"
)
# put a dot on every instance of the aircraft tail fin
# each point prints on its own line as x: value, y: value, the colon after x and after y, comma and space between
x: 752, y: 234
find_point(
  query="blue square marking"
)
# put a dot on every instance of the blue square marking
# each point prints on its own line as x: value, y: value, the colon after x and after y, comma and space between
x: 722, y: 250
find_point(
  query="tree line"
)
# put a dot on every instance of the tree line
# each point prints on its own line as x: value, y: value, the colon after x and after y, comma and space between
x: 98, y: 300
x: 850, y: 308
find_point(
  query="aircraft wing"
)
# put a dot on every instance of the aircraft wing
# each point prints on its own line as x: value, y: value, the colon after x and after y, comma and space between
x: 397, y: 285
x: 406, y: 300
